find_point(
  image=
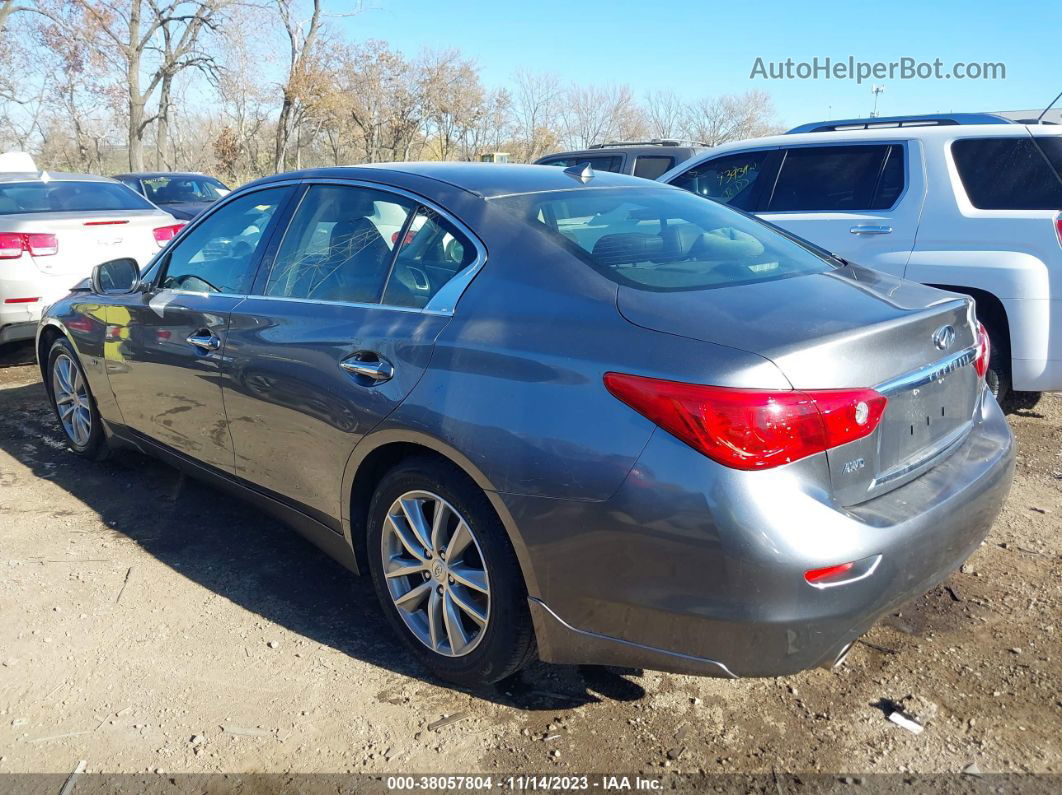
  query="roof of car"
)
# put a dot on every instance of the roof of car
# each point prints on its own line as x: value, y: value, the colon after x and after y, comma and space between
x: 658, y: 150
x: 50, y: 176
x: 486, y: 180
x: 155, y: 174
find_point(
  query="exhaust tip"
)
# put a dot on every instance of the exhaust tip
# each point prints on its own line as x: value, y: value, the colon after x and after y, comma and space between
x: 829, y: 665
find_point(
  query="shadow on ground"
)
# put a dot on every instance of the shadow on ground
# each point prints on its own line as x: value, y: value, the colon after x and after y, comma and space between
x: 227, y: 546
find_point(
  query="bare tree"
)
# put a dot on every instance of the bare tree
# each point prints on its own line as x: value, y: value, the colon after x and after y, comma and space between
x: 130, y: 33
x: 665, y: 114
x: 537, y: 100
x: 596, y: 114
x: 716, y: 120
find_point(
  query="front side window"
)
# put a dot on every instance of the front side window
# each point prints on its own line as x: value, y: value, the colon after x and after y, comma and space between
x: 17, y: 198
x: 218, y: 255
x: 433, y: 251
x: 339, y: 245
x: 1010, y: 173
x: 663, y: 240
x: 730, y: 179
x: 612, y: 163
x: 838, y: 178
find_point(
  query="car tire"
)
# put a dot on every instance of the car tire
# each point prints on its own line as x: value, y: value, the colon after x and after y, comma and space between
x: 73, y: 403
x: 428, y: 600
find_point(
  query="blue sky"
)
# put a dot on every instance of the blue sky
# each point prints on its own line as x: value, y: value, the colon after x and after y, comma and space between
x: 709, y: 48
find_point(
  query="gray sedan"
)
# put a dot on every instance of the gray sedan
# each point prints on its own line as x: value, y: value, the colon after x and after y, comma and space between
x: 580, y: 417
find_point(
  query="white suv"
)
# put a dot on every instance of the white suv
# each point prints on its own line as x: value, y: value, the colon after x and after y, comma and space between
x: 969, y: 203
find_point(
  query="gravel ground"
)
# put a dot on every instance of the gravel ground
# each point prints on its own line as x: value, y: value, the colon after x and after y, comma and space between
x: 149, y: 623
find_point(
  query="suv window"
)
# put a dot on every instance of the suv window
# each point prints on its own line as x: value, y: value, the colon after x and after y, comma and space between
x: 597, y: 162
x: 730, y: 179
x: 218, y: 254
x: 339, y: 244
x: 1010, y: 173
x: 652, y: 166
x: 838, y: 178
x: 433, y: 251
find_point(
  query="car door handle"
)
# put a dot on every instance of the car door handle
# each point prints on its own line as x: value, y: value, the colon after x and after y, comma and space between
x: 204, y: 340
x: 870, y: 229
x: 378, y: 370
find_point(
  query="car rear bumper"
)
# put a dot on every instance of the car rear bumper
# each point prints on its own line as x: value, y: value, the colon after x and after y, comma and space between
x: 697, y: 569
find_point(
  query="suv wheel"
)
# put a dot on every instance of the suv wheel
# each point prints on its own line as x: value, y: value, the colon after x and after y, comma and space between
x: 446, y: 575
x: 73, y: 403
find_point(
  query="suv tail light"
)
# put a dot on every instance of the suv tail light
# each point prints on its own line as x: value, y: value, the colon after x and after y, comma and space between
x: 984, y: 350
x: 37, y: 244
x: 1058, y: 227
x: 752, y: 428
x: 164, y: 234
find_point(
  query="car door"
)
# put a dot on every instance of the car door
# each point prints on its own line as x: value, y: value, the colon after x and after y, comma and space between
x: 338, y: 331
x: 860, y: 201
x: 168, y: 339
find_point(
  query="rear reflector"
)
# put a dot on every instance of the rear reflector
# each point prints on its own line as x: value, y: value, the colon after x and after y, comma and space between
x: 752, y: 428
x: 984, y: 351
x: 21, y: 300
x: 37, y: 244
x: 164, y: 234
x: 1058, y: 228
x: 827, y: 573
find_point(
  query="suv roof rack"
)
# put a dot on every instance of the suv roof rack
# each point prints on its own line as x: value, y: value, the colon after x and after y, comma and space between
x: 879, y: 122
x: 651, y: 142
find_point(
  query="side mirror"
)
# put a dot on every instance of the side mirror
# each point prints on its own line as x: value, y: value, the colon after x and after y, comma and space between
x: 115, y: 276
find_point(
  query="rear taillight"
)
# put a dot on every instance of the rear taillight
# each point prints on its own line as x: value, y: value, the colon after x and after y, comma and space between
x: 1058, y: 228
x: 984, y: 350
x: 37, y: 244
x: 752, y: 428
x: 164, y: 234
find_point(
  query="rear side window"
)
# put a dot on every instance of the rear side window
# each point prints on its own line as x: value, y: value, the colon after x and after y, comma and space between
x: 652, y: 166
x: 17, y: 198
x: 432, y: 252
x: 730, y: 179
x: 840, y: 178
x: 1010, y: 173
x: 597, y: 162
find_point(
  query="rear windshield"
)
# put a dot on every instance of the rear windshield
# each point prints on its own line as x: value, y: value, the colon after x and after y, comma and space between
x: 17, y: 198
x: 664, y: 240
x: 175, y: 190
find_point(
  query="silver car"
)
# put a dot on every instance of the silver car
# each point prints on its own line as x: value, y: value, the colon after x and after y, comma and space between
x: 54, y: 227
x: 551, y: 412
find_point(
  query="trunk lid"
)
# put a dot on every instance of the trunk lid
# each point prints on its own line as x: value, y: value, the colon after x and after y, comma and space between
x: 850, y: 327
x: 88, y: 238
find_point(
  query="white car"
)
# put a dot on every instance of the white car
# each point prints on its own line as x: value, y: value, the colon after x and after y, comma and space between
x: 969, y: 202
x: 54, y: 228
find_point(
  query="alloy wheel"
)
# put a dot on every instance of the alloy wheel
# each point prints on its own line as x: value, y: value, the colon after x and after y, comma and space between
x: 435, y: 573
x: 72, y: 400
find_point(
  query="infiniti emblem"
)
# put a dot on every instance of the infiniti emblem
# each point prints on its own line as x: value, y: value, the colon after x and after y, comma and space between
x: 943, y: 337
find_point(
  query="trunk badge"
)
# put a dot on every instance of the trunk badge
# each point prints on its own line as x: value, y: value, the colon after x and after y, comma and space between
x: 943, y: 337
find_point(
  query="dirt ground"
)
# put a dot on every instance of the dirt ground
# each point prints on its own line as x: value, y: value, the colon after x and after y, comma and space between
x: 149, y: 623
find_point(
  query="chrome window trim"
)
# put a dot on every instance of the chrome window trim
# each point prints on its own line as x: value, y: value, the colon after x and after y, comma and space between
x: 443, y: 302
x: 354, y: 304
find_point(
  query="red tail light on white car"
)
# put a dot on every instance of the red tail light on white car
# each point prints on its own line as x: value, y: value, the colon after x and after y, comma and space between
x: 752, y: 428
x: 164, y: 234
x: 36, y: 244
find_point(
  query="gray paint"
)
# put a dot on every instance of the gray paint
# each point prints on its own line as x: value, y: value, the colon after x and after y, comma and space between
x: 635, y: 548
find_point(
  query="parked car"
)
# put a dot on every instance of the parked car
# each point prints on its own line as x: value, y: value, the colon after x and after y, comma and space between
x: 585, y: 414
x: 182, y: 195
x: 970, y: 203
x: 646, y: 159
x: 54, y: 227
